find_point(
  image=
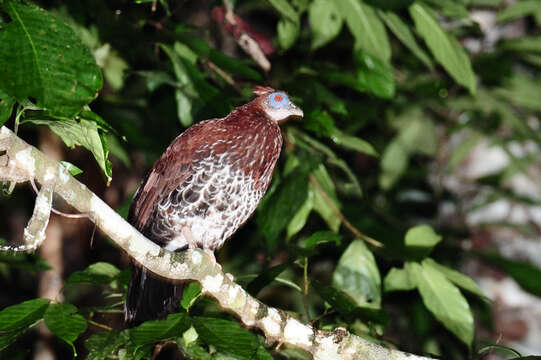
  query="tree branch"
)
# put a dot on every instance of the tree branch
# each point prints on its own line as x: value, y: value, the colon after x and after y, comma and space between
x: 23, y: 162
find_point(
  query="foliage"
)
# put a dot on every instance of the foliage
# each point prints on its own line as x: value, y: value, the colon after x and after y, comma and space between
x: 348, y: 233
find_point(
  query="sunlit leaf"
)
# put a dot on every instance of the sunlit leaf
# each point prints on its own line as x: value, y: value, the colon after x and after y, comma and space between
x: 397, y: 280
x: 367, y: 29
x: 285, y: 9
x: 443, y: 46
x: 357, y: 274
x: 404, y: 34
x: 325, y: 21
x: 459, y: 279
x: 98, y: 273
x: 518, y: 9
x: 422, y: 236
x: 373, y: 74
x: 445, y: 301
x: 288, y: 32
x: 191, y: 293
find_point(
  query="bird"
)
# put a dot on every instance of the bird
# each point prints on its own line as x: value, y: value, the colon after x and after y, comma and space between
x: 206, y: 184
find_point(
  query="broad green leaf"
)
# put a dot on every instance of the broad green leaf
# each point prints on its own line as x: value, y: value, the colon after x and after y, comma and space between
x: 366, y: 27
x: 288, y: 32
x: 445, y: 301
x: 150, y: 332
x: 6, y: 106
x: 80, y: 133
x: 102, y: 345
x: 42, y: 58
x: 346, y: 306
x: 320, y: 122
x: 20, y: 316
x: 98, y: 273
x: 64, y: 322
x: 299, y: 220
x: 325, y: 197
x: 185, y: 52
x: 186, y: 92
x: 191, y: 293
x: 519, y: 9
x: 422, y: 236
x: 397, y: 280
x: 374, y: 75
x: 459, y: 279
x: 443, y: 46
x: 265, y: 278
x: 357, y: 275
x: 463, y: 149
x: 285, y: 8
x: 325, y: 21
x: 114, y: 67
x: 404, y: 34
x: 283, y: 204
x: 352, y: 143
x: 230, y: 338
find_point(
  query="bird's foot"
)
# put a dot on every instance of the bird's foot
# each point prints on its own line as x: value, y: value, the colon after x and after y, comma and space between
x: 213, y: 257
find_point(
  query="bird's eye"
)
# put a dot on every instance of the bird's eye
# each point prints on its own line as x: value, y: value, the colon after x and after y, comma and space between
x: 278, y: 99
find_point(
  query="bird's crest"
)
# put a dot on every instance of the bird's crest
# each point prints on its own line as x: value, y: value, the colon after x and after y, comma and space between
x: 262, y: 90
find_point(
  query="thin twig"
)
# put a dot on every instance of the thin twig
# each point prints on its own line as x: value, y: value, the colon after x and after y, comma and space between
x: 338, y: 213
x: 99, y: 325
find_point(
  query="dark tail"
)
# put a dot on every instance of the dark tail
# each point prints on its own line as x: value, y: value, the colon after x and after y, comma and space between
x: 149, y: 297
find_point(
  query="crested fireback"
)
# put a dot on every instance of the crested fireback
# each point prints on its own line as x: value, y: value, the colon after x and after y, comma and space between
x: 203, y: 188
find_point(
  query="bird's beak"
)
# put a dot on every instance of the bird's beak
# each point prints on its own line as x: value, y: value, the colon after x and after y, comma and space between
x: 297, y: 112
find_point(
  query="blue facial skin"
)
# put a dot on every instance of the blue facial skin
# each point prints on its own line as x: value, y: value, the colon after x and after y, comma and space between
x: 278, y: 99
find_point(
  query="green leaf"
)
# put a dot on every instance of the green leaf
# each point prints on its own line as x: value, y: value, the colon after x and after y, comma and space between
x: 445, y: 301
x: 230, y: 338
x: 450, y: 8
x: 322, y: 237
x: 80, y: 133
x: 282, y: 206
x: 100, y: 273
x: 519, y: 9
x: 366, y: 27
x: 524, y: 44
x: 525, y: 274
x: 325, y: 193
x: 422, y: 236
x: 72, y: 169
x: 186, y: 92
x: 443, y: 46
x: 42, y: 58
x: 6, y: 106
x: 398, y: 280
x: 21, y: 316
x: 265, y: 278
x: 64, y: 322
x: 190, y: 294
x: 404, y: 34
x: 523, y: 91
x: 352, y: 143
x: 357, y: 275
x: 284, y: 8
x: 325, y: 21
x: 288, y: 32
x: 374, y: 75
x: 299, y: 219
x: 320, y: 122
x: 459, y: 279
x: 346, y: 306
x: 103, y: 344
x: 150, y: 332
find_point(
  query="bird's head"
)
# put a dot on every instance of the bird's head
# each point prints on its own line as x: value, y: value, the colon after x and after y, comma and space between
x: 276, y: 104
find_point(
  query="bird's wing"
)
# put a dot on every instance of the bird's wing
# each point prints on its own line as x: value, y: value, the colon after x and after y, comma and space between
x: 171, y: 169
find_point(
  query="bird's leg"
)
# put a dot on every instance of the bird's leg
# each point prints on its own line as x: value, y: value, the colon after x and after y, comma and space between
x: 192, y: 243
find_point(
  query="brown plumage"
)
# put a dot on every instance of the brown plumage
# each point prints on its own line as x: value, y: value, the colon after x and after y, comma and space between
x: 203, y: 188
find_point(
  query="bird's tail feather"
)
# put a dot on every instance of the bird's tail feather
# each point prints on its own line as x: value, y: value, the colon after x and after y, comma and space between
x: 149, y: 297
